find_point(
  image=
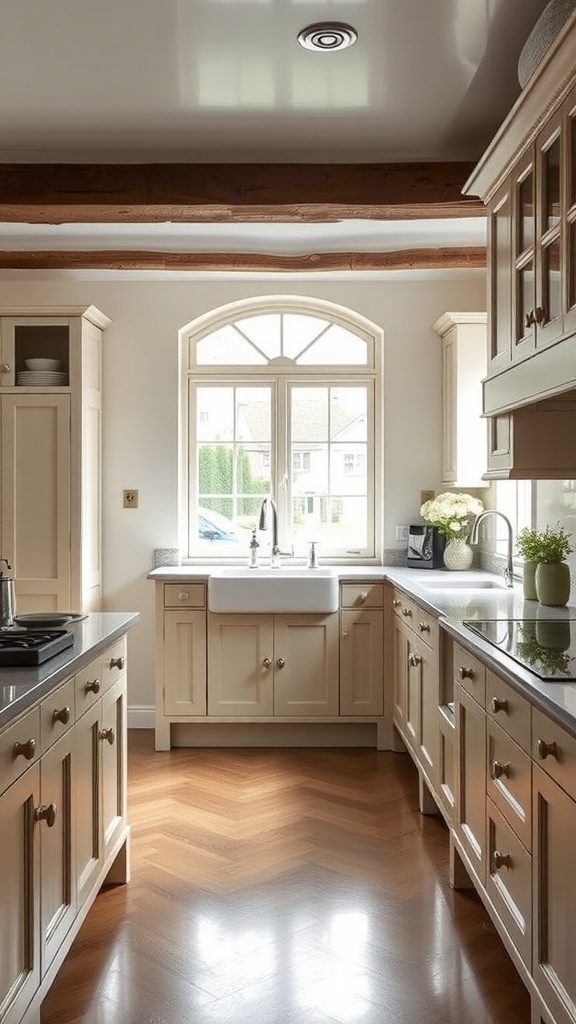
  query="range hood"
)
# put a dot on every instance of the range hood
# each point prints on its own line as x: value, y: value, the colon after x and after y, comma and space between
x: 534, y: 442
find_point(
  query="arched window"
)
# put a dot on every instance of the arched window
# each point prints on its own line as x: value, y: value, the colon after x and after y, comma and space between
x: 282, y: 397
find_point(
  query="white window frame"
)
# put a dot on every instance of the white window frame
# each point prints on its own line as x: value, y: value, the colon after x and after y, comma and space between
x: 293, y: 374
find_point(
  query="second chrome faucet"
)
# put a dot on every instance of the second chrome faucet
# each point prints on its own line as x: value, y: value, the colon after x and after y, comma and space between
x: 475, y: 533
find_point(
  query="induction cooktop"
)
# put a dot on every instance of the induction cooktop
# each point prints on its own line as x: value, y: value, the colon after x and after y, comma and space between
x: 546, y: 647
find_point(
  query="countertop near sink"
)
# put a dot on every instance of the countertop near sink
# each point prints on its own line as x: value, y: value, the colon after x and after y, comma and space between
x: 23, y: 687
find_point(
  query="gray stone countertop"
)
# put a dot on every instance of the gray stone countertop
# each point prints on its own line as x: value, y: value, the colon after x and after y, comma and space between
x: 455, y: 597
x: 23, y: 687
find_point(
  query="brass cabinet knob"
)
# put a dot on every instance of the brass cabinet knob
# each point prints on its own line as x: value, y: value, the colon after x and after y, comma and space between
x: 267, y: 662
x: 466, y: 673
x: 407, y: 612
x: 93, y: 686
x: 539, y: 314
x: 117, y: 663
x: 396, y: 603
x: 61, y: 715
x: 424, y: 627
x: 414, y: 660
x: 106, y: 734
x: 280, y: 662
x: 362, y: 598
x: 47, y: 813
x: 5, y: 368
x: 183, y: 595
x: 501, y: 860
x: 544, y: 749
x: 499, y: 769
x: 26, y: 750
x: 530, y: 319
x: 499, y: 705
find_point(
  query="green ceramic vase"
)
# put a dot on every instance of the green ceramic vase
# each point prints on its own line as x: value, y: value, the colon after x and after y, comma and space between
x: 529, y: 581
x: 553, y: 583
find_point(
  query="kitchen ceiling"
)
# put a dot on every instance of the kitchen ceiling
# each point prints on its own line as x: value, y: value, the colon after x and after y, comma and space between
x: 133, y: 134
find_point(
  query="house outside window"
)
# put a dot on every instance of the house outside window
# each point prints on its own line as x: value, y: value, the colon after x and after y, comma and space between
x: 276, y: 395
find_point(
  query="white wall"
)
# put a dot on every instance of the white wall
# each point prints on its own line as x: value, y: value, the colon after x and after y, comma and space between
x: 141, y: 410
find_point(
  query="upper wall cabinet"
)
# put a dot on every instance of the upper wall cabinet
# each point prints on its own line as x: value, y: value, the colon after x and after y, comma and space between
x: 50, y: 455
x: 464, y: 433
x: 527, y: 178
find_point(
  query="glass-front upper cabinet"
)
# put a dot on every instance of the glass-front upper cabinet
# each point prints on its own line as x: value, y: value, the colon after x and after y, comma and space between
x: 500, y: 279
x: 570, y: 233
x: 35, y: 351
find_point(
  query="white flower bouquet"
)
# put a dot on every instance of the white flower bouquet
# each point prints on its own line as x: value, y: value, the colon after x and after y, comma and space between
x: 451, y: 514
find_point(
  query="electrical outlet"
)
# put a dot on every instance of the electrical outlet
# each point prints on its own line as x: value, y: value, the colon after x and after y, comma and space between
x: 402, y: 533
x: 427, y: 496
x: 130, y: 498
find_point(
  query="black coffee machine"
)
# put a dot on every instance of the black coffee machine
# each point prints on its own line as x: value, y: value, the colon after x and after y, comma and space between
x: 425, y: 547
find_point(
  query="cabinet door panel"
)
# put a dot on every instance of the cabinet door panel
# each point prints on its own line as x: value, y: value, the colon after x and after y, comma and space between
x: 58, y: 903
x: 19, y: 895
x: 509, y: 881
x: 185, y: 663
x: 87, y: 801
x: 307, y: 683
x: 36, y: 503
x: 554, y: 896
x: 362, y: 663
x: 471, y: 790
x: 113, y: 765
x: 240, y: 665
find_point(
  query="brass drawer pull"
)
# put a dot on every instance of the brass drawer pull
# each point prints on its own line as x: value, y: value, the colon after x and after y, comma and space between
x: 407, y: 612
x: 61, y: 715
x: 267, y: 662
x: 106, y: 734
x: 93, y: 686
x: 117, y: 662
x: 414, y: 660
x: 544, y: 749
x: 47, y: 813
x: 466, y: 673
x: 26, y: 750
x: 501, y: 860
x: 280, y: 663
x: 396, y: 603
x: 423, y: 627
x: 5, y: 368
x: 499, y: 769
x: 362, y: 598
x: 499, y: 705
x: 183, y: 595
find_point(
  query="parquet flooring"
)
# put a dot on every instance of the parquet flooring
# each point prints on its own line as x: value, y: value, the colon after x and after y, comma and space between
x: 284, y: 887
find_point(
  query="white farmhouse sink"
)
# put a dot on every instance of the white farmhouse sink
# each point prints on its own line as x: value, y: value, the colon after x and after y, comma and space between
x: 466, y: 585
x: 288, y: 589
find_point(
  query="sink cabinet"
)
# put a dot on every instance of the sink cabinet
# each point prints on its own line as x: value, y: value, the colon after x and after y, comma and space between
x: 273, y: 665
x: 362, y: 649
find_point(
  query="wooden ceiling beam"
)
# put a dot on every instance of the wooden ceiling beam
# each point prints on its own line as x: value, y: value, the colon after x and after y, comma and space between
x: 407, y: 259
x: 233, y: 193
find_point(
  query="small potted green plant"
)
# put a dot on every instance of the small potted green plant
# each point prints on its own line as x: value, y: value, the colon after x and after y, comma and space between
x: 548, y: 549
x: 528, y: 544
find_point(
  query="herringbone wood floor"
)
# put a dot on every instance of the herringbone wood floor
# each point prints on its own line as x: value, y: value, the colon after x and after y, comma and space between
x: 284, y: 887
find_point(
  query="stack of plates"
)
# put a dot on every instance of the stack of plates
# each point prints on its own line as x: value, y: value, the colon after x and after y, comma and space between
x: 41, y: 378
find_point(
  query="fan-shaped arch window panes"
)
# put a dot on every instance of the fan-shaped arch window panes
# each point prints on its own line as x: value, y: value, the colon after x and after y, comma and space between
x: 286, y: 404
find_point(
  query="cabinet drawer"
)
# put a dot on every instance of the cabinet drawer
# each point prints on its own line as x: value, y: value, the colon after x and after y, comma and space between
x: 19, y: 747
x: 184, y: 595
x: 509, y: 709
x: 367, y: 595
x: 554, y: 750
x: 114, y: 663
x: 470, y: 673
x: 509, y: 881
x: 57, y: 714
x: 423, y: 624
x: 509, y: 781
x: 88, y: 686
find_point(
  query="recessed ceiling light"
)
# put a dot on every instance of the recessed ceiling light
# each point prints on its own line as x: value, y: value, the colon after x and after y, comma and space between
x: 327, y: 35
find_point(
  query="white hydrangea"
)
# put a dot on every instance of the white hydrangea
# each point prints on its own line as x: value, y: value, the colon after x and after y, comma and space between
x: 451, y: 513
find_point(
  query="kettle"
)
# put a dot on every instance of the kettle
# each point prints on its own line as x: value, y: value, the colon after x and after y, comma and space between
x: 6, y: 597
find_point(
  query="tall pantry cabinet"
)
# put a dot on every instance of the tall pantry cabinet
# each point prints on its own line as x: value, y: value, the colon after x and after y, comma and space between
x: 50, y: 456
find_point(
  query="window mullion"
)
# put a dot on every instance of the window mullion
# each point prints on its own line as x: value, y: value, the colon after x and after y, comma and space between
x: 281, y: 444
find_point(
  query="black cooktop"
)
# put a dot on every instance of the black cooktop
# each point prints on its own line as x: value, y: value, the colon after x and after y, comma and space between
x: 32, y: 646
x: 546, y: 647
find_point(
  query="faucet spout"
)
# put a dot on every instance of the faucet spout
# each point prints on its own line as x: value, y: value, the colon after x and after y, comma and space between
x: 269, y: 506
x: 475, y: 532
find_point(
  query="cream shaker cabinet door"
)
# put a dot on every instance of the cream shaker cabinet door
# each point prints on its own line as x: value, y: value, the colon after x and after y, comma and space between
x: 240, y: 665
x: 361, y: 662
x: 35, y: 498
x: 306, y: 665
x: 54, y: 814
x: 19, y: 896
x: 184, y: 647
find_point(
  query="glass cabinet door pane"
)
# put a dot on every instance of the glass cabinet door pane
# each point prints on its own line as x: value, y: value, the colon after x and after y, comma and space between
x: 500, y: 234
x: 551, y: 186
x: 524, y: 300
x: 525, y: 189
x: 552, y: 293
